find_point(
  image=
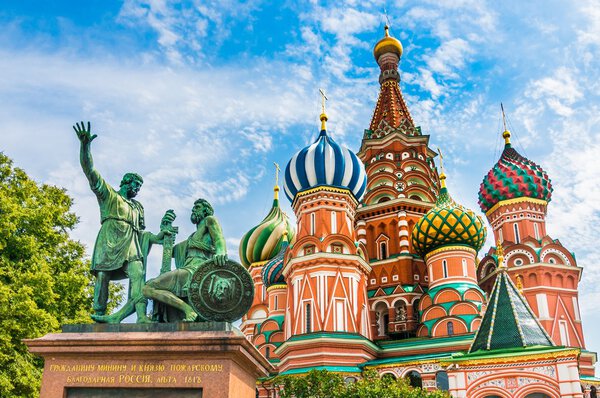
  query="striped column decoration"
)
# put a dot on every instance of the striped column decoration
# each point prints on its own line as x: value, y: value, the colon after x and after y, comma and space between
x: 361, y: 232
x: 403, y: 232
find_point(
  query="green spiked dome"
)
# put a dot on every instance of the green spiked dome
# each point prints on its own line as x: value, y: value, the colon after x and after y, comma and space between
x: 513, y: 176
x: 264, y: 241
x: 447, y: 223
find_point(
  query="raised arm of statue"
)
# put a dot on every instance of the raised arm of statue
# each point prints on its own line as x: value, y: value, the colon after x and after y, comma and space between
x: 85, y: 158
x: 216, y: 233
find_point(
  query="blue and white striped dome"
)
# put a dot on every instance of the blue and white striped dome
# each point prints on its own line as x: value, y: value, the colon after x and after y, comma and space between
x: 324, y: 163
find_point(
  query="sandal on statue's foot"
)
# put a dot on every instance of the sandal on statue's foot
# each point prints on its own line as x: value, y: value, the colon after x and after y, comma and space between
x: 105, y: 318
x: 190, y: 317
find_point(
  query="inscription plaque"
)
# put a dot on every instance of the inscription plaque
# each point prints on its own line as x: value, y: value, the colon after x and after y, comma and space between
x: 87, y: 392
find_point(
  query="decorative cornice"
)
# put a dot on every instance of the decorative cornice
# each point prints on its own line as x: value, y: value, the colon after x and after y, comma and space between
x: 279, y: 286
x: 543, y: 355
x: 514, y: 201
x: 450, y: 248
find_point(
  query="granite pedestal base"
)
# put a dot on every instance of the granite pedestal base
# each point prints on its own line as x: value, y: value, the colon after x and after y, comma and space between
x: 182, y: 360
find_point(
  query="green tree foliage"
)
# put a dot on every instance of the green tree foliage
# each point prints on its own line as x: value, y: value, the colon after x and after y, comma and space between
x: 44, y: 277
x: 324, y: 384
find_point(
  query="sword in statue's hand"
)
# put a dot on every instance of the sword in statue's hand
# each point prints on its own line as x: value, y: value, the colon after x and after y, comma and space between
x: 170, y: 232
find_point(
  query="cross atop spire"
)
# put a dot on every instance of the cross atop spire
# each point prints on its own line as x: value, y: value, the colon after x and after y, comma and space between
x: 443, y: 174
x: 276, y: 189
x: 323, y: 114
x: 506, y: 133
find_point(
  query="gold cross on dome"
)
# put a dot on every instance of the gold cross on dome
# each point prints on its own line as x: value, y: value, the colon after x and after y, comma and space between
x: 323, y: 99
x: 441, y: 159
x: 277, y: 170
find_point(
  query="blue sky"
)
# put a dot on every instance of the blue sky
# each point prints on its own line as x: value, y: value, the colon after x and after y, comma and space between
x: 201, y: 97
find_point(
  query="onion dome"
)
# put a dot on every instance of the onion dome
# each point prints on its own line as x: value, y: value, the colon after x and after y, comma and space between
x: 387, y: 45
x: 324, y: 163
x: 264, y: 241
x: 447, y: 223
x: 272, y: 273
x: 513, y: 176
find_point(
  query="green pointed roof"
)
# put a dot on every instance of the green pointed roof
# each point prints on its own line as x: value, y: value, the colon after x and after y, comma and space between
x: 508, y: 322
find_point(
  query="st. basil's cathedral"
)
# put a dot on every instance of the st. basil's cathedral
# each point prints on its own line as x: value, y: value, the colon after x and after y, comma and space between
x: 382, y: 271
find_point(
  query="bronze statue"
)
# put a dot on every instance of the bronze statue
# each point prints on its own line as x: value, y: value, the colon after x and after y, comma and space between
x: 206, y: 243
x: 118, y: 251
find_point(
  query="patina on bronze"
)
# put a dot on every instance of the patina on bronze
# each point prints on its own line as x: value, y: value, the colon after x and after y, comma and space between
x: 221, y: 292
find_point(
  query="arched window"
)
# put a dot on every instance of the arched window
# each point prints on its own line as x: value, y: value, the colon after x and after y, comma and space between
x: 268, y: 352
x: 400, y: 307
x: 465, y: 268
x: 275, y: 302
x: 536, y: 230
x: 308, y: 319
x: 383, y: 250
x: 450, y: 328
x: 445, y: 268
x: 415, y: 197
x: 441, y: 381
x: 313, y: 222
x: 593, y: 392
x: 537, y: 395
x: 517, y: 237
x: 382, y: 318
x: 414, y: 378
x: 416, y: 309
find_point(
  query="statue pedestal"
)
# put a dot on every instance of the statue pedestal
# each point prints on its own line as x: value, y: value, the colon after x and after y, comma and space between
x: 180, y: 360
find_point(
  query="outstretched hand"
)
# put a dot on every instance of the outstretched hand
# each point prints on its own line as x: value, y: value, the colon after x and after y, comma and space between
x: 84, y: 135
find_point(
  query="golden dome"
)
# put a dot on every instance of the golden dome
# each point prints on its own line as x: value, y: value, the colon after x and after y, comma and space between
x: 387, y: 45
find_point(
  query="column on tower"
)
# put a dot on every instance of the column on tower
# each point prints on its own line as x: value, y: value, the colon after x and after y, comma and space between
x: 448, y: 237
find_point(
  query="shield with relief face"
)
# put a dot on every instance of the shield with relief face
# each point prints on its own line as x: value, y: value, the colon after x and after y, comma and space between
x: 221, y: 293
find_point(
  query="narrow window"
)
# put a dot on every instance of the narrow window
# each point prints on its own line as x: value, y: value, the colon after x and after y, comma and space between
x: 542, y: 302
x: 464, y: 266
x: 308, y: 319
x: 445, y: 268
x: 268, y: 352
x: 564, y: 333
x: 264, y: 293
x: 450, y: 328
x: 383, y: 249
x: 516, y: 228
x: 500, y: 235
x: 275, y: 302
x: 536, y: 230
x: 333, y: 222
x: 576, y: 309
x: 313, y: 221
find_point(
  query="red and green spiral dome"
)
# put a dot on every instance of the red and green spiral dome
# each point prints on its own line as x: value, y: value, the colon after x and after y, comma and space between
x: 513, y: 176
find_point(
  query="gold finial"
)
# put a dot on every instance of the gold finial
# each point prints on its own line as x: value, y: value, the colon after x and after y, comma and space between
x: 276, y: 189
x: 323, y: 114
x: 520, y: 283
x: 443, y: 174
x: 285, y: 235
x: 500, y: 254
x: 506, y: 133
x: 386, y: 28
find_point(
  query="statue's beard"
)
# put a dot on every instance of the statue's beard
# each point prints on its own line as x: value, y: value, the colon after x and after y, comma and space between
x: 196, y: 217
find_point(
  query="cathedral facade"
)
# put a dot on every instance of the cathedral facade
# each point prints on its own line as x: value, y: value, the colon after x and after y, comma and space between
x: 382, y: 271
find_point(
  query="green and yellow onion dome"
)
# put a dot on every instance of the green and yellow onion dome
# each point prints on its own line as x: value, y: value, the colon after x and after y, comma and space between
x: 447, y: 224
x: 264, y: 241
